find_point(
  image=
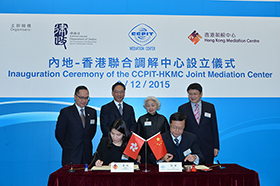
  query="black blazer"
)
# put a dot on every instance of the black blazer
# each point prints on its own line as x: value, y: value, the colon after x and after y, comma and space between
x: 73, y: 138
x: 188, y: 141
x: 109, y: 155
x: 207, y: 130
x: 110, y: 112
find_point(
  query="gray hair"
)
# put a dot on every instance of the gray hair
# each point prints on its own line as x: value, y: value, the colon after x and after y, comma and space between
x: 153, y: 98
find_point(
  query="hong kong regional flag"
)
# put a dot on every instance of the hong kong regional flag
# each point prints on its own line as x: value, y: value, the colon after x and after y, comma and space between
x: 133, y: 146
x: 157, y: 145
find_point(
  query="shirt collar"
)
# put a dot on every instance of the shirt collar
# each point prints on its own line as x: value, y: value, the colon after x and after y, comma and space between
x: 117, y: 103
x: 79, y: 108
x: 193, y: 104
x: 173, y: 138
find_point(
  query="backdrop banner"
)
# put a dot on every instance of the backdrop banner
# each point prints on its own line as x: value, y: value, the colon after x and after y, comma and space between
x: 45, y: 57
x: 151, y: 55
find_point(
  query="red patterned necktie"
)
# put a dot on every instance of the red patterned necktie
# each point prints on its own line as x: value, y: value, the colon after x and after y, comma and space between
x: 196, y: 113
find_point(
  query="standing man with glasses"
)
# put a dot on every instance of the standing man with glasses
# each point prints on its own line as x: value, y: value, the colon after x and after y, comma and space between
x: 117, y: 109
x: 75, y: 128
x: 201, y: 121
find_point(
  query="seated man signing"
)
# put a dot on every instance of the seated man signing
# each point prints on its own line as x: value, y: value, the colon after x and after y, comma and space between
x: 181, y: 146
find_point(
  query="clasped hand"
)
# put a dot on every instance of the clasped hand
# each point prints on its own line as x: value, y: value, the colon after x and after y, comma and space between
x: 168, y: 157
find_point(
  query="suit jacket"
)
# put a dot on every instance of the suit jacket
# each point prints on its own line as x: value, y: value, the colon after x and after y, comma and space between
x: 73, y: 138
x: 108, y: 155
x: 159, y: 124
x: 188, y: 141
x: 207, y: 130
x: 110, y: 112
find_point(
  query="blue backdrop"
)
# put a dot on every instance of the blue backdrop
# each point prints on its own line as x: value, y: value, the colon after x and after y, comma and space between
x: 248, y: 133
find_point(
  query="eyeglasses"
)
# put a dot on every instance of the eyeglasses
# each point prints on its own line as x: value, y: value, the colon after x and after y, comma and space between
x: 176, y: 128
x: 85, y: 98
x: 118, y: 91
x: 193, y: 94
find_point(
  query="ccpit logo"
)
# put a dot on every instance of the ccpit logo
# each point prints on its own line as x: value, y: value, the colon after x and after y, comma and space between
x: 142, y: 34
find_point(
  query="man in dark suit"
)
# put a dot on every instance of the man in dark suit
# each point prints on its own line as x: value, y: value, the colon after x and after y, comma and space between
x: 75, y: 128
x: 117, y: 109
x: 201, y: 121
x: 181, y: 146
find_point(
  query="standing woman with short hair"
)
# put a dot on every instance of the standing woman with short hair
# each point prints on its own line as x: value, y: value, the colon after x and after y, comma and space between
x: 151, y: 123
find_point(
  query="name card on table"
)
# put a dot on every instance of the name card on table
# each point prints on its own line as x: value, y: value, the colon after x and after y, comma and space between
x: 122, y: 167
x: 170, y: 167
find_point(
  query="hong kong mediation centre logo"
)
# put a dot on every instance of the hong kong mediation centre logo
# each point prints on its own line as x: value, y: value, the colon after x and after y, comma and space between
x: 195, y: 37
x: 60, y: 34
x: 142, y: 34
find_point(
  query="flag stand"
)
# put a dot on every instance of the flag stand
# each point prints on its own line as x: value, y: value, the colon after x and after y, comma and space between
x: 146, y: 158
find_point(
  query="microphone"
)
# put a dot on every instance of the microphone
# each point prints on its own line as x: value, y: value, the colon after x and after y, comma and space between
x: 71, y: 169
x: 220, y: 166
x: 93, y: 158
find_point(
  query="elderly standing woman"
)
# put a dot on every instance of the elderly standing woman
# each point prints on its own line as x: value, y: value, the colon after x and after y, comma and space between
x: 151, y: 123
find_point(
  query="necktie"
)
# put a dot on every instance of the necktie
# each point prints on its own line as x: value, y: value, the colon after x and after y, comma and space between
x: 83, y: 117
x: 120, y: 109
x: 176, y: 142
x: 196, y: 113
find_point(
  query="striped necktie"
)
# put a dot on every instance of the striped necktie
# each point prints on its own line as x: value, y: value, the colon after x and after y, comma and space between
x: 83, y: 118
x: 196, y: 113
x: 120, y: 109
x: 176, y: 142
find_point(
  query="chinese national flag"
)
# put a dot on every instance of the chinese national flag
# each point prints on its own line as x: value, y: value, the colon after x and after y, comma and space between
x: 133, y: 146
x: 157, y: 146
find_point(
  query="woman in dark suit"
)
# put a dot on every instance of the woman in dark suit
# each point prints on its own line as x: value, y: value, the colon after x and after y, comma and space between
x: 110, y: 149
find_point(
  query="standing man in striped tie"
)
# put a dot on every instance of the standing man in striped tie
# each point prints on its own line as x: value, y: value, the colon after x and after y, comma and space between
x: 75, y: 128
x: 117, y: 109
x: 201, y: 121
